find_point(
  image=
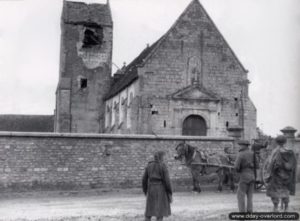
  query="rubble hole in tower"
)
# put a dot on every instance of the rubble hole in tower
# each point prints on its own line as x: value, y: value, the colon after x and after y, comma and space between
x: 92, y: 37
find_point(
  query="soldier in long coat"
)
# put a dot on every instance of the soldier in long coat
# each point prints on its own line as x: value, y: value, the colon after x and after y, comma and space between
x: 281, y: 179
x: 245, y: 166
x: 157, y: 188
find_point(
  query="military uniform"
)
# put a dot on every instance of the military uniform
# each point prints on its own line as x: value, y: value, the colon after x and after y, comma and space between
x: 244, y: 165
x: 282, y: 174
x: 157, y: 188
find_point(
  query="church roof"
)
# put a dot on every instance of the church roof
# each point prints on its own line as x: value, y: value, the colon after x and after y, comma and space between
x: 131, y: 74
x: 27, y: 123
x: 81, y: 13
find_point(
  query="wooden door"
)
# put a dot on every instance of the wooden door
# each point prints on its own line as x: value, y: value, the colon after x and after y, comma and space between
x: 194, y: 125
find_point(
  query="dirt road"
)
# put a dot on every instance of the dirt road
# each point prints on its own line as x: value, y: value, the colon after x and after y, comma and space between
x: 127, y: 206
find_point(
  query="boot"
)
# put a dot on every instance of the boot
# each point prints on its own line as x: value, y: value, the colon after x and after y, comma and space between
x: 275, y: 208
x: 286, y: 207
x: 281, y: 205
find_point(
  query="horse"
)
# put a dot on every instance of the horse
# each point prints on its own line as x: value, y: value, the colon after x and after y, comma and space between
x: 201, y: 163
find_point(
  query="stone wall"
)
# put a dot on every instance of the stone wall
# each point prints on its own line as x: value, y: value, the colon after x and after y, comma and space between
x: 72, y: 161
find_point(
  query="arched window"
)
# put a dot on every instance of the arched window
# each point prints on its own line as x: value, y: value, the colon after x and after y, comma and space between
x: 194, y: 125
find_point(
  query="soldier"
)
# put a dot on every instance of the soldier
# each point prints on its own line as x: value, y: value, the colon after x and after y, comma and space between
x: 281, y: 171
x: 157, y: 188
x: 244, y: 165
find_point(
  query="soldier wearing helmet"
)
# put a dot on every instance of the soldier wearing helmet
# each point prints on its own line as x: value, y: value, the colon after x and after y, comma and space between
x: 281, y: 178
x: 245, y: 166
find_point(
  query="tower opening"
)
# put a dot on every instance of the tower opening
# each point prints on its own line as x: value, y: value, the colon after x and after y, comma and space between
x: 92, y: 37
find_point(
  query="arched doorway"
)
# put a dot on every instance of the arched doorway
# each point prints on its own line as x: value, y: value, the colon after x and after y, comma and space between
x: 194, y: 125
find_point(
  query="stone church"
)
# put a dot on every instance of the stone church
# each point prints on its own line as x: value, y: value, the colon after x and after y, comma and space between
x: 188, y: 82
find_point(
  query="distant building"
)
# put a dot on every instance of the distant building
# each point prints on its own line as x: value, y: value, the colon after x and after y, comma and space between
x: 27, y: 123
x: 189, y: 82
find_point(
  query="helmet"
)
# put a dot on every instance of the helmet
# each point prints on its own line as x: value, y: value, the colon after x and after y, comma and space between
x: 280, y: 139
x: 257, y: 146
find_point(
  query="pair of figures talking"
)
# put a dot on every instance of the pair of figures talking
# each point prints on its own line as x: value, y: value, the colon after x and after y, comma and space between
x: 280, y: 174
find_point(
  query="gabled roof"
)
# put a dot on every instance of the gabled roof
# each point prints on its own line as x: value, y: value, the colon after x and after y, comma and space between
x: 131, y: 74
x: 195, y: 92
x: 79, y: 12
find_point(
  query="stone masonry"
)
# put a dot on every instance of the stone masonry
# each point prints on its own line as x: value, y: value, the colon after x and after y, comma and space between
x: 85, y: 67
x: 73, y: 161
x: 189, y: 71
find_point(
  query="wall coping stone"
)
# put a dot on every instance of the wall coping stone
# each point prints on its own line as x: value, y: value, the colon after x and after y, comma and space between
x: 110, y: 136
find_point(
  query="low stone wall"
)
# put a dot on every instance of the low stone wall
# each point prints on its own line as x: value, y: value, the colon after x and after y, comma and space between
x: 71, y: 161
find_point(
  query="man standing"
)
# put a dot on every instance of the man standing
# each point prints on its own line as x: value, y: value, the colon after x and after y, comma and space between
x: 281, y: 170
x: 244, y: 165
x: 157, y: 188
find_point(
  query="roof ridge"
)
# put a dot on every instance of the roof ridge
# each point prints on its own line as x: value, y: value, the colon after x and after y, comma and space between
x: 212, y: 22
x: 169, y: 31
x: 226, y: 43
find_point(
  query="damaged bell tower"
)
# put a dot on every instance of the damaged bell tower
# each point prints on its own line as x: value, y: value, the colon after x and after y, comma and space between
x: 85, y: 67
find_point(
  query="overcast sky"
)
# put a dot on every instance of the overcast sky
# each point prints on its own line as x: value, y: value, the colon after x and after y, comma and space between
x: 265, y: 35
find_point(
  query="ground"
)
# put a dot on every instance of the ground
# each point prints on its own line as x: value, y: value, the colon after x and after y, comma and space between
x: 125, y: 205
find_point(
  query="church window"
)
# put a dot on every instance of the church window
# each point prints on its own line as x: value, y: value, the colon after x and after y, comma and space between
x: 227, y: 124
x: 236, y: 103
x: 108, y: 116
x: 236, y: 114
x: 116, y: 105
x: 130, y: 99
x: 129, y: 110
x: 165, y: 124
x: 83, y: 83
x: 122, y: 109
x: 123, y: 100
